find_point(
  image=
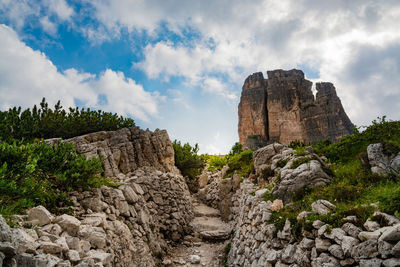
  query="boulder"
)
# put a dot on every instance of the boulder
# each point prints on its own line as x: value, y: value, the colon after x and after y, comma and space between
x: 322, y: 207
x: 127, y: 149
x: 98, y: 256
x: 41, y: 214
x: 293, y: 181
x: 5, y: 231
x: 68, y: 223
x: 382, y: 163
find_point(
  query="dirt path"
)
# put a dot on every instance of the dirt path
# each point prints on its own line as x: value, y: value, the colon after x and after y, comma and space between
x: 206, y: 247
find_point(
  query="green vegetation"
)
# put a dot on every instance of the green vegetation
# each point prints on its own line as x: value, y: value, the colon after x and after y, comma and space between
x: 354, y: 187
x: 216, y: 162
x: 34, y: 174
x: 237, y: 160
x: 187, y: 160
x: 44, y: 122
x: 299, y: 161
x: 350, y: 146
x: 241, y: 163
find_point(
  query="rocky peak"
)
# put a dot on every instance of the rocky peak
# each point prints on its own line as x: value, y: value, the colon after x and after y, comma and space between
x: 282, y: 109
x: 282, y: 74
x: 256, y: 80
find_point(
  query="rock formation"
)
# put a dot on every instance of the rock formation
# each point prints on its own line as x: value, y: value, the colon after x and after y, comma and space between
x: 126, y: 150
x: 282, y: 109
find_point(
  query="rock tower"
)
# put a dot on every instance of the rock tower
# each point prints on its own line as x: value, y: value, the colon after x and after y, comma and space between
x: 283, y: 108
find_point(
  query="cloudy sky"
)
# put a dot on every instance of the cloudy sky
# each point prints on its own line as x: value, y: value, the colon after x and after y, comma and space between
x: 180, y: 65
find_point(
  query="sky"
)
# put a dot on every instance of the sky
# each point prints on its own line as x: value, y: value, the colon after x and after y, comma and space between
x: 180, y: 65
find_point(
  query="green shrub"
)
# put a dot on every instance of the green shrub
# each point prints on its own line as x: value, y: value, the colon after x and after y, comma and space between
x: 241, y: 163
x: 237, y: 148
x: 187, y: 160
x: 44, y: 122
x: 39, y: 174
x: 296, y: 144
x: 301, y: 151
x: 216, y: 162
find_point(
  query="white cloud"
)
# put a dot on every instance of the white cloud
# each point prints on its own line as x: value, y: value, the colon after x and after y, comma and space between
x: 217, y: 87
x: 18, y: 11
x: 264, y: 35
x: 48, y: 26
x: 60, y: 8
x: 27, y: 75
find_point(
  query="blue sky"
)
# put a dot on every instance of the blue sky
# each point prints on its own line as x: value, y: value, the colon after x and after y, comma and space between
x: 180, y: 65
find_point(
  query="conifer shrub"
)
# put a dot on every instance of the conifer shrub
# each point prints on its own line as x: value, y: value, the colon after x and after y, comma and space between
x: 34, y: 174
x: 187, y: 160
x: 44, y: 122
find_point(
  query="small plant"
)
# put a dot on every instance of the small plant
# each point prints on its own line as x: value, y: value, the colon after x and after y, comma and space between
x: 296, y: 144
x: 268, y: 197
x: 299, y: 161
x: 241, y: 163
x: 216, y: 162
x: 301, y: 151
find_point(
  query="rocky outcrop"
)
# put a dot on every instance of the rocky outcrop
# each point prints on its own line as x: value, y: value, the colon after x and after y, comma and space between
x: 282, y: 109
x: 126, y: 226
x: 258, y: 242
x: 382, y: 161
x: 290, y: 173
x: 126, y: 150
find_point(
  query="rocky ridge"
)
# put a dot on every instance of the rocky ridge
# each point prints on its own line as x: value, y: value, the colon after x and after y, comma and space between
x: 282, y: 109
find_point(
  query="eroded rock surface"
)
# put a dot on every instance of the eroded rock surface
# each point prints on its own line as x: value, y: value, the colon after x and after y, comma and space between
x: 127, y: 149
x: 290, y: 173
x: 282, y: 109
x: 381, y: 161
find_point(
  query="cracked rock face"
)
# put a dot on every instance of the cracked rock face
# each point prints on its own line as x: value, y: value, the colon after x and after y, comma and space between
x: 125, y: 150
x: 282, y: 109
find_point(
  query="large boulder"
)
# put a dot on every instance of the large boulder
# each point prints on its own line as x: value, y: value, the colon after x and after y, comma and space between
x: 262, y: 157
x: 293, y: 181
x: 382, y: 161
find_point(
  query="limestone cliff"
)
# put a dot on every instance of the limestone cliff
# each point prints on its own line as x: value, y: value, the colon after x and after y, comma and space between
x: 282, y: 109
